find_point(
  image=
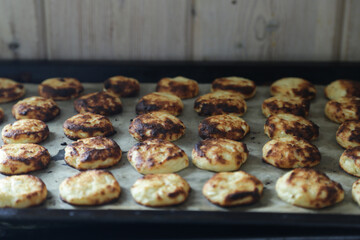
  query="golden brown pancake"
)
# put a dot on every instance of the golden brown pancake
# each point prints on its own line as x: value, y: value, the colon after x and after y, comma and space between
x: 122, y: 86
x: 242, y: 86
x: 157, y: 125
x: 293, y: 87
x: 60, y: 88
x: 102, y: 103
x: 40, y: 108
x: 179, y: 86
x: 10, y: 90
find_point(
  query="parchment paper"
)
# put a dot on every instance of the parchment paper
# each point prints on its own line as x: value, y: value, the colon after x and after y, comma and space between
x: 57, y: 170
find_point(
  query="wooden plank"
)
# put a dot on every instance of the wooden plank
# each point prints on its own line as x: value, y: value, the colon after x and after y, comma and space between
x: 118, y: 29
x: 21, y: 29
x: 266, y: 30
x: 350, y: 50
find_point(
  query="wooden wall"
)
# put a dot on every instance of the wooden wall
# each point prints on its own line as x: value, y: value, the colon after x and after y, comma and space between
x: 260, y: 30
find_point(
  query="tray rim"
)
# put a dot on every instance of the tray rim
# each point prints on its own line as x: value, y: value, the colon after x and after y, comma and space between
x: 83, y: 216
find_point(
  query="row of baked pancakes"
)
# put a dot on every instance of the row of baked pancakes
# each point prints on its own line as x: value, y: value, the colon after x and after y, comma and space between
x: 218, y: 152
x: 30, y: 129
x: 21, y: 154
x: 344, y: 107
x: 291, y: 132
x: 290, y: 147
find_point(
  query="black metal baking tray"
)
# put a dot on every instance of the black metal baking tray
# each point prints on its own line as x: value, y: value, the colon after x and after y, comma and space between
x: 203, y: 222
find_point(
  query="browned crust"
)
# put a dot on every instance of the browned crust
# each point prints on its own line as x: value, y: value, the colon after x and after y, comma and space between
x: 110, y: 188
x: 335, y: 110
x: 352, y: 88
x: 301, y: 109
x: 112, y: 149
x: 304, y: 90
x: 16, y: 134
x: 351, y: 174
x: 307, y: 132
x: 206, y: 105
x: 220, y: 108
x: 178, y: 191
x: 35, y: 112
x: 146, y: 106
x: 209, y: 129
x: 96, y: 202
x: 122, y: 86
x: 223, y: 84
x: 235, y: 196
x: 39, y: 161
x: 173, y: 151
x: 100, y: 103
x: 161, y: 130
x: 10, y: 94
x: 202, y: 147
x: 352, y: 154
x: 284, y: 154
x: 75, y: 126
x: 255, y: 197
x: 73, y: 89
x: 354, y: 136
x: 331, y: 189
x: 182, y: 90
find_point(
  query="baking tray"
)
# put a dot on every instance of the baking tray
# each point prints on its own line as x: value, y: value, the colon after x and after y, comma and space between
x: 262, y: 73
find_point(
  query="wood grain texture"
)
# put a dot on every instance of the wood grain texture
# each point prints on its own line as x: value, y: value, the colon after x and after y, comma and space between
x: 266, y: 30
x: 21, y: 29
x: 246, y: 30
x: 350, y: 50
x: 118, y: 29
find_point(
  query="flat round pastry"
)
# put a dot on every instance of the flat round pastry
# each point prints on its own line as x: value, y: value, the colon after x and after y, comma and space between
x: 242, y: 86
x: 293, y: 87
x: 308, y: 188
x: 1, y: 114
x: 157, y: 156
x: 179, y: 86
x: 10, y: 90
x: 348, y: 134
x: 343, y: 109
x: 342, y: 88
x: 219, y: 154
x: 284, y: 104
x: 89, y: 188
x: 92, y: 153
x: 103, y: 103
x: 229, y: 126
x: 355, y: 191
x: 159, y: 125
x: 291, y: 152
x: 60, y: 88
x: 283, y: 125
x: 86, y: 125
x: 44, y: 109
x: 220, y: 102
x: 22, y: 158
x: 25, y: 131
x: 160, y: 101
x: 22, y: 191
x: 350, y: 161
x: 122, y: 86
x: 160, y: 190
x: 229, y: 189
